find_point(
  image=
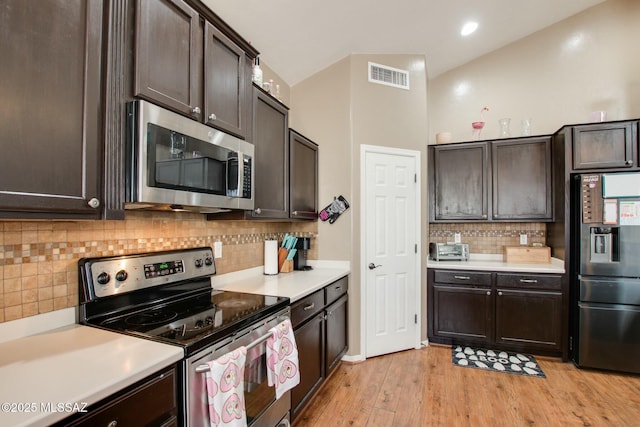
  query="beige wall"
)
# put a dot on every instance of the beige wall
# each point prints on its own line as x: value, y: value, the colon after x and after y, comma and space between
x: 341, y: 110
x: 556, y: 76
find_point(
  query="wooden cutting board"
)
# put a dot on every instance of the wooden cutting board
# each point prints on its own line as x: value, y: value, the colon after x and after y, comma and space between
x: 527, y: 254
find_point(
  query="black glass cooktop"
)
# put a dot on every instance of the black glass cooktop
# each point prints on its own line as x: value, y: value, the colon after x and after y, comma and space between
x: 196, y: 321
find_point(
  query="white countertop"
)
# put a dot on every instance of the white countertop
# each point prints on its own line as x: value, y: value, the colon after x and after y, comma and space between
x: 490, y: 262
x: 295, y: 285
x: 73, y: 364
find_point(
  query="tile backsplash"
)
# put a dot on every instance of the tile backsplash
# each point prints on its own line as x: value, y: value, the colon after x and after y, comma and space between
x: 38, y: 259
x: 489, y: 238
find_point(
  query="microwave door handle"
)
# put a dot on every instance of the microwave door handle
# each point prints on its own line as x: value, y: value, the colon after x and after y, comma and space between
x: 240, y: 174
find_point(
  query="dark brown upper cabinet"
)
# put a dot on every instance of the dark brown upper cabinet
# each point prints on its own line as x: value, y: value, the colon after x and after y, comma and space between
x: 271, y: 141
x: 605, y: 145
x: 168, y: 55
x: 51, y: 111
x: 521, y: 175
x: 183, y: 62
x: 303, y: 179
x: 502, y: 180
x: 227, y: 81
x: 459, y: 182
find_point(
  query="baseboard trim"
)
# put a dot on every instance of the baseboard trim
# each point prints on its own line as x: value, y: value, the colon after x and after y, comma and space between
x: 356, y: 358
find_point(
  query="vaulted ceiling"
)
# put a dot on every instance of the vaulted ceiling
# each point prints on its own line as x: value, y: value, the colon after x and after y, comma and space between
x: 298, y: 38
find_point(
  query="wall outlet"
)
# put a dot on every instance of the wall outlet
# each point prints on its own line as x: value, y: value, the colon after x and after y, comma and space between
x: 456, y: 237
x: 217, y: 249
x: 523, y: 239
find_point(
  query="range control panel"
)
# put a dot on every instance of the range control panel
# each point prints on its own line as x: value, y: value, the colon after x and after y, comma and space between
x: 116, y: 275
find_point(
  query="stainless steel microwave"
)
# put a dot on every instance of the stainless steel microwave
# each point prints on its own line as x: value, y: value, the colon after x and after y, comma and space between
x: 176, y: 163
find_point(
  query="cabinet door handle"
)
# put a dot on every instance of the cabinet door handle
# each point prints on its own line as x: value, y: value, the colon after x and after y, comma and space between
x: 94, y: 203
x: 528, y: 281
x: 500, y: 293
x: 629, y: 162
x: 212, y: 117
x: 309, y: 307
x: 195, y: 110
x: 488, y: 293
x: 258, y: 211
x: 294, y: 213
x: 462, y: 277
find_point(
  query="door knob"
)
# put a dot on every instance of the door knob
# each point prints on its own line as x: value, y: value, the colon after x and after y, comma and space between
x: 372, y: 266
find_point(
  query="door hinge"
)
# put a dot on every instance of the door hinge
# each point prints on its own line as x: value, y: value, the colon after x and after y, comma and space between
x: 416, y: 318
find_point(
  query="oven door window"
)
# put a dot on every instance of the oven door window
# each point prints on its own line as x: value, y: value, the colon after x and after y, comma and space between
x: 258, y: 395
x: 181, y: 162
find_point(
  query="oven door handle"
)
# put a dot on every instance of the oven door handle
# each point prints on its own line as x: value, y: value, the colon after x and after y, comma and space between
x: 201, y: 369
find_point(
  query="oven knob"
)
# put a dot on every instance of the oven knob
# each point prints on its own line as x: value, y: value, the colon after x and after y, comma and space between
x: 199, y: 263
x: 208, y: 320
x: 103, y: 278
x: 199, y: 324
x: 208, y: 260
x: 121, y: 276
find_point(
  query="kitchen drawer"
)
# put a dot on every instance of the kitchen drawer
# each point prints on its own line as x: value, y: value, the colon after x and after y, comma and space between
x: 537, y: 281
x: 307, y: 307
x: 333, y: 291
x: 156, y: 395
x: 462, y: 277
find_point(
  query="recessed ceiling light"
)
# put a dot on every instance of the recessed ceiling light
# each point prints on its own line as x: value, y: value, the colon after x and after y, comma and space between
x: 468, y: 28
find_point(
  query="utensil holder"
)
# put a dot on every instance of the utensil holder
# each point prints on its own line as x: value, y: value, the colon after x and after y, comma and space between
x: 287, y: 266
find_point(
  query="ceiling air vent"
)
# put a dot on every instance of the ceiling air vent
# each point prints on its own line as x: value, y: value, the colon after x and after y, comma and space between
x: 389, y: 76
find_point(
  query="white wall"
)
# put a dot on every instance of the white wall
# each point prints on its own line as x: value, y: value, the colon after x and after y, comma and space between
x: 556, y: 76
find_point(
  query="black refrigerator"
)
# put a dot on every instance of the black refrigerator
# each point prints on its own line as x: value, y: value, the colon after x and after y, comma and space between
x: 606, y: 282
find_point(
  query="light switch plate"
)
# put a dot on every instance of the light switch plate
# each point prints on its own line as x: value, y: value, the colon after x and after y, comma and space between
x: 217, y: 249
x: 456, y: 237
x: 523, y: 239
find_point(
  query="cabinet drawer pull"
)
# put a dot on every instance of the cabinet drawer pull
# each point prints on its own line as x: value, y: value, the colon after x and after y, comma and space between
x: 338, y: 288
x: 528, y: 281
x: 462, y: 277
x: 309, y: 307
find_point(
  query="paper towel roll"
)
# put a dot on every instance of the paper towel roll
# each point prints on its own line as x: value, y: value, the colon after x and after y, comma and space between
x: 270, y: 257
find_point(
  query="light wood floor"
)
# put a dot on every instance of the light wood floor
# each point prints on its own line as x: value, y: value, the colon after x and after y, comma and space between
x: 423, y: 388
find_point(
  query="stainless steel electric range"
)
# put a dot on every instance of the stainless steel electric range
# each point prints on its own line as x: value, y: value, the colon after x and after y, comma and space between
x: 167, y: 297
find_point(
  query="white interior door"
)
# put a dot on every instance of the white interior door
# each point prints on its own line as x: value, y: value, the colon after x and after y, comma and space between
x: 391, y: 244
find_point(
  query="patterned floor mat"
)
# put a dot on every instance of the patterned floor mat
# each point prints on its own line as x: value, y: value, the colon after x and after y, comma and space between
x: 496, y: 360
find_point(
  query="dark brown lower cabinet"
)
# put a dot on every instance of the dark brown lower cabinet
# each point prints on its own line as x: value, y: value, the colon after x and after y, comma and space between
x: 151, y: 402
x: 463, y: 313
x: 310, y: 342
x: 336, y: 333
x: 511, y: 311
x: 320, y: 323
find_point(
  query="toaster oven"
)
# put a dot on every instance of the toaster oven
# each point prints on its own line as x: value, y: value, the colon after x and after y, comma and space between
x: 449, y: 251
